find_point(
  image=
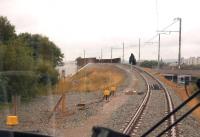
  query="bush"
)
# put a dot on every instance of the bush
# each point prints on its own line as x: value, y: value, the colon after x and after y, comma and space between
x: 151, y: 64
x: 3, y: 85
x: 47, y: 73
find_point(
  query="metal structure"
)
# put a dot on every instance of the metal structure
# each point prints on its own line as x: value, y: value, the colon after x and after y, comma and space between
x: 180, y: 33
x: 123, y: 53
x: 139, y: 51
x: 112, y: 48
x: 149, y: 42
x: 83, y: 53
x: 101, y: 54
x: 164, y: 31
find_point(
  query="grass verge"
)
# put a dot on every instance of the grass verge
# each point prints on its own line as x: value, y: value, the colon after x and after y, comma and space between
x: 93, y: 78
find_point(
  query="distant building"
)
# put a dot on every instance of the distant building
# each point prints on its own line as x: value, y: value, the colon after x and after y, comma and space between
x: 198, y: 60
x: 182, y: 60
x: 191, y: 61
x: 83, y: 61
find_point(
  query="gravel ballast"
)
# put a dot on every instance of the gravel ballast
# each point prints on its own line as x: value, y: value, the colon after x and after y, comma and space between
x: 34, y: 115
x: 188, y: 127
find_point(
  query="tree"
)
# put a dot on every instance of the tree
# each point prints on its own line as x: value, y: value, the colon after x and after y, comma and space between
x: 7, y: 31
x: 26, y: 61
x: 3, y: 85
x: 149, y: 64
x: 132, y: 59
x: 152, y: 64
x: 47, y: 74
x: 43, y: 48
x: 17, y: 57
x: 18, y: 71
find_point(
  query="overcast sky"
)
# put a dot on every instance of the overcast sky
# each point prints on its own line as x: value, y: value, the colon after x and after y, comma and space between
x: 75, y: 25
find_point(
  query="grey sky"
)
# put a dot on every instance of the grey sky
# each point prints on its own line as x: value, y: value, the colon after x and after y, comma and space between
x: 75, y: 25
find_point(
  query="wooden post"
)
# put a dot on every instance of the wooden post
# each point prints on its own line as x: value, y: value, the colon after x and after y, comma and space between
x: 63, y: 102
x: 14, y: 103
x: 63, y: 105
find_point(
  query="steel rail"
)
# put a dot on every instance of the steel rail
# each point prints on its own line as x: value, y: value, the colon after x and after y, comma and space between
x: 169, y: 103
x: 140, y: 109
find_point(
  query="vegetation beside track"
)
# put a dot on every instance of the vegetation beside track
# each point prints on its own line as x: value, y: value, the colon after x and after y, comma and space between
x: 93, y: 78
x: 27, y: 63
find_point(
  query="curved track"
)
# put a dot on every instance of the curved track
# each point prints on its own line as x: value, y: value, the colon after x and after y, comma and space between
x: 129, y: 128
x: 150, y: 80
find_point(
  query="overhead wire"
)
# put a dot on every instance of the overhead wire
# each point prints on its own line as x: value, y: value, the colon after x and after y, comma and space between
x: 157, y: 14
x: 157, y: 18
x: 169, y: 25
x: 157, y: 21
x: 131, y: 46
x: 150, y: 40
x: 161, y: 31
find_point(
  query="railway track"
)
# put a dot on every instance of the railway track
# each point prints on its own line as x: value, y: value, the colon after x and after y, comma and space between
x: 135, y: 122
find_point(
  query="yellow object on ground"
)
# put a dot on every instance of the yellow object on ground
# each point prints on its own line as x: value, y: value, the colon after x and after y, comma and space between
x: 12, y: 120
x: 106, y: 92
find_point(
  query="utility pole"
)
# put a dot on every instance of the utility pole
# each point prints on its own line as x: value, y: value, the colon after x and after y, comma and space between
x: 123, y: 53
x: 139, y: 51
x: 179, y: 52
x: 100, y: 60
x: 158, y: 66
x: 101, y: 53
x: 111, y: 55
x: 84, y: 57
x: 179, y: 49
x: 159, y: 51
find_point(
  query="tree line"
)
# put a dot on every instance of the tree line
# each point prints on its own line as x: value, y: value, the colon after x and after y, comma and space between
x: 27, y: 62
x: 152, y: 64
